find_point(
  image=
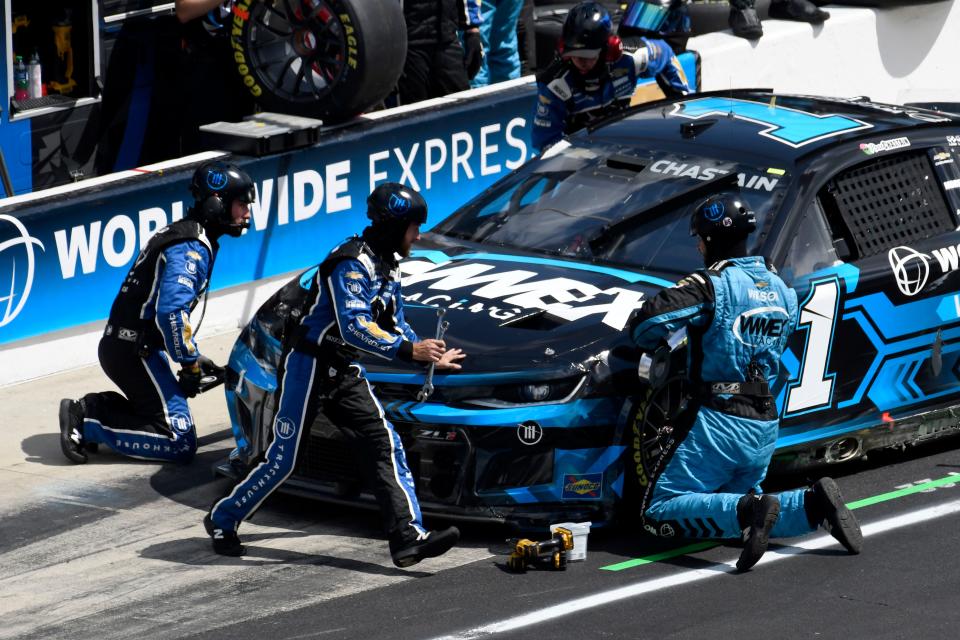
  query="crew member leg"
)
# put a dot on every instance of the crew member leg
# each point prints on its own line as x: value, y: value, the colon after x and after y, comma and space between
x: 297, y: 406
x: 153, y: 421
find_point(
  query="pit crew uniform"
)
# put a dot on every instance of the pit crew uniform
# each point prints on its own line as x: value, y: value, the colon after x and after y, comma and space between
x: 567, y: 100
x: 739, y: 315
x: 354, y: 305
x: 149, y: 324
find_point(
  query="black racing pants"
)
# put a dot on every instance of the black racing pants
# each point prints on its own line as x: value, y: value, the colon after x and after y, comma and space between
x: 432, y: 72
x: 343, y: 393
x: 152, y: 421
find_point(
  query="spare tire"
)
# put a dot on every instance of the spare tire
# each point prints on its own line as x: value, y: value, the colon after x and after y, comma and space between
x: 328, y: 59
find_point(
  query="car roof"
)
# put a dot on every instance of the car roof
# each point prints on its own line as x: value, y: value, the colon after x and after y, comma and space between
x: 757, y: 126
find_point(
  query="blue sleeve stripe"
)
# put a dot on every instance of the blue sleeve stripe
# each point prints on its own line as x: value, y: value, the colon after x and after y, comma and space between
x: 665, y: 318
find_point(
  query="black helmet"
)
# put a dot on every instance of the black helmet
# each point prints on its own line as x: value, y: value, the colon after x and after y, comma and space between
x: 723, y: 220
x: 587, y: 28
x: 215, y: 186
x: 391, y: 202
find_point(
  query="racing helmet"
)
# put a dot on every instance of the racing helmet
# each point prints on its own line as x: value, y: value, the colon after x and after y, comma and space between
x: 723, y: 220
x: 654, y: 17
x: 587, y: 31
x: 215, y: 186
x: 397, y: 205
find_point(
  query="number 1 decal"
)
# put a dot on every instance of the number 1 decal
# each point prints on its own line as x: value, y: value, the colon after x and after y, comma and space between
x: 818, y: 316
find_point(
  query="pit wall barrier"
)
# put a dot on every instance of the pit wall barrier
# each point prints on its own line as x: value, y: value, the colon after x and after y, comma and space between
x: 65, y: 251
x: 63, y: 275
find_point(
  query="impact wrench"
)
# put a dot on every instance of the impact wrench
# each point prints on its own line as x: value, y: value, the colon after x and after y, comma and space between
x: 427, y: 389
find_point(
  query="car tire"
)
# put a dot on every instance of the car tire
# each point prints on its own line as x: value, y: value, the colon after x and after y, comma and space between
x: 655, y: 421
x: 341, y: 59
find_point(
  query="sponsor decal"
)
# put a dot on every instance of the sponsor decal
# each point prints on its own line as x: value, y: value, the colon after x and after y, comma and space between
x: 943, y: 155
x: 510, y: 292
x: 398, y: 204
x: 193, y: 255
x: 353, y: 275
x: 911, y: 268
x: 761, y: 326
x: 953, y: 141
x: 185, y: 281
x: 127, y: 334
x: 285, y: 428
x: 529, y: 432
x: 190, y: 267
x: 374, y: 329
x: 698, y: 172
x: 354, y: 304
x: 354, y: 288
x: 870, y: 148
x: 950, y: 185
x: 542, y: 111
x: 18, y: 250
x: 180, y: 423
x: 666, y: 531
x: 762, y: 296
x: 587, y: 486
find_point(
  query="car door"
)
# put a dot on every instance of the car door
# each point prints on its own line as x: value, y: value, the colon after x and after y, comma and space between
x: 874, y: 258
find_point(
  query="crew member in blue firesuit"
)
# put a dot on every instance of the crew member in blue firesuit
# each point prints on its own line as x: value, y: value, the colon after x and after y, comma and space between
x: 354, y: 306
x: 738, y: 314
x: 595, y: 74
x: 149, y: 324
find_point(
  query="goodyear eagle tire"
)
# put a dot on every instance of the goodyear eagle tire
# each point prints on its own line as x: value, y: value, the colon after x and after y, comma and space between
x: 328, y: 59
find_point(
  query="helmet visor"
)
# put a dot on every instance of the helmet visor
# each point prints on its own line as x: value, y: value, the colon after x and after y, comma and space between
x: 645, y: 16
x: 589, y: 54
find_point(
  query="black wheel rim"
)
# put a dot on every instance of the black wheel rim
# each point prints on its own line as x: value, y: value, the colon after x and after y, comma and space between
x: 297, y: 47
x: 658, y: 421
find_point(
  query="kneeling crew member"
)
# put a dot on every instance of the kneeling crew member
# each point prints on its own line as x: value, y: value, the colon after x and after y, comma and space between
x: 149, y: 324
x: 739, y: 315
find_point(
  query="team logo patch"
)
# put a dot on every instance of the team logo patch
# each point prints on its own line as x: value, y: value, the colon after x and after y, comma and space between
x: 714, y: 212
x: 666, y: 531
x: 180, y: 423
x: 587, y: 486
x: 190, y: 267
x: 529, y: 432
x: 398, y: 204
x: 911, y: 268
x: 285, y: 428
x: 354, y: 287
x: 216, y: 180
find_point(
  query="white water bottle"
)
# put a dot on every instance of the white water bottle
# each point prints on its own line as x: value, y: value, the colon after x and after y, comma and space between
x: 35, y: 75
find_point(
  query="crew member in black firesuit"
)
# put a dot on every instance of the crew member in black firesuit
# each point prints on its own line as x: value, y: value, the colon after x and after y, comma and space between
x: 353, y: 305
x: 437, y: 63
x: 738, y: 314
x: 595, y: 74
x: 149, y: 324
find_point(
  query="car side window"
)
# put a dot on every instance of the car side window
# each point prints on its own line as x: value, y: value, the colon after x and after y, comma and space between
x: 885, y: 202
x: 812, y: 247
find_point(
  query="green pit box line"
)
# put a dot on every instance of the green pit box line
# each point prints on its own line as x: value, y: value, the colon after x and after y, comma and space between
x: 856, y: 504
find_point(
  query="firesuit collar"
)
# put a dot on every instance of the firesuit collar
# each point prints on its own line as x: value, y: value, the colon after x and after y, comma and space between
x: 714, y: 255
x: 385, y: 238
x: 213, y: 230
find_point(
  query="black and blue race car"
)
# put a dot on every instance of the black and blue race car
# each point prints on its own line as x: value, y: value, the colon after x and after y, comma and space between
x: 858, y: 204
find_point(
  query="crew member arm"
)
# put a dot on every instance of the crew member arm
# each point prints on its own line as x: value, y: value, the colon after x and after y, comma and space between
x: 469, y: 16
x: 352, y: 296
x: 655, y: 59
x: 184, y: 271
x: 688, y: 303
x: 549, y: 119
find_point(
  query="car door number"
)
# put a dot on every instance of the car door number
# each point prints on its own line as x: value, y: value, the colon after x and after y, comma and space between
x: 818, y: 316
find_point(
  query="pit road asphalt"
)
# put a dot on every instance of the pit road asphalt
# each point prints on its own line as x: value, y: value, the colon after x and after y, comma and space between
x: 115, y: 549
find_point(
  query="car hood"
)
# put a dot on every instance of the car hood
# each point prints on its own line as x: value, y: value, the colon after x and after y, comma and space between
x: 514, y: 311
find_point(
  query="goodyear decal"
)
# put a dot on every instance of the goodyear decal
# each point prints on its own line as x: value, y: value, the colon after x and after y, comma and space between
x: 585, y: 486
x: 241, y: 15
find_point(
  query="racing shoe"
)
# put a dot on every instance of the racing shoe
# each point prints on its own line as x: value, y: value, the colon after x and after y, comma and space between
x: 798, y: 10
x: 745, y: 23
x: 757, y: 515
x: 428, y: 545
x: 226, y: 542
x: 829, y: 511
x: 72, y: 442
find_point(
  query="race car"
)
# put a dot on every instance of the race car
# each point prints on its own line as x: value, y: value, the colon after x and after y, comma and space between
x: 550, y: 419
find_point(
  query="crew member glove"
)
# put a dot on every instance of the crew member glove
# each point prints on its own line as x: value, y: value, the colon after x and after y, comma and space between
x: 189, y: 379
x: 472, y: 52
x: 208, y: 367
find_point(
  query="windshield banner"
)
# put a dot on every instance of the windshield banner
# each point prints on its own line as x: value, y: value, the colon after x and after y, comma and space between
x: 62, y: 261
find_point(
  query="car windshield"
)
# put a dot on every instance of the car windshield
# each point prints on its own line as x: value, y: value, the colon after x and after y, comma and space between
x: 607, y: 204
